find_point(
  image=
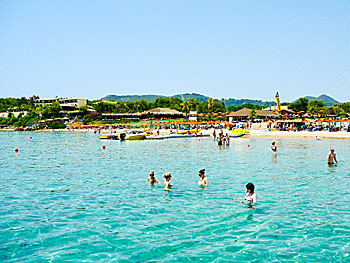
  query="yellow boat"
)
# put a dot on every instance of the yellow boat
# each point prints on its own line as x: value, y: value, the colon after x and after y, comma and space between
x: 130, y: 137
x: 189, y: 131
x: 239, y: 133
x: 109, y: 137
x: 133, y: 137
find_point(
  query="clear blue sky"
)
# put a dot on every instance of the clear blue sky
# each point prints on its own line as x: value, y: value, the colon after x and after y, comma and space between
x: 231, y: 49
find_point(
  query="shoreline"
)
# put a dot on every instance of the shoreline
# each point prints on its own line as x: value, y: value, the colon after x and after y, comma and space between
x: 254, y: 133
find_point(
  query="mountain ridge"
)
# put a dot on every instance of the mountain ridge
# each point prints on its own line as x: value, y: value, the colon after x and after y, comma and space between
x: 187, y: 96
x: 323, y: 97
x: 228, y: 102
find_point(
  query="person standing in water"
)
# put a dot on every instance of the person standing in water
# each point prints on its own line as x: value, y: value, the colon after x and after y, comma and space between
x: 219, y: 140
x: 332, y: 157
x: 167, y: 184
x: 203, y: 180
x: 227, y: 140
x: 250, y: 197
x: 152, y: 179
x: 274, y: 147
x: 214, y: 134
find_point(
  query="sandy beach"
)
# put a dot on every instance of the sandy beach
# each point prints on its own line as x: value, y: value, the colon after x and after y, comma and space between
x: 254, y: 132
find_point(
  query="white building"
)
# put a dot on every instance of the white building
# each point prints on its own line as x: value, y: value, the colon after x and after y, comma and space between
x: 193, y: 116
x: 68, y: 102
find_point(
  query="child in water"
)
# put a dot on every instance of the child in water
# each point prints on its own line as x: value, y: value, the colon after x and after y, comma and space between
x: 167, y: 184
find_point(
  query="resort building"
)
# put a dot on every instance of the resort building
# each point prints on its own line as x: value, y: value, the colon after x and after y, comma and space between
x: 65, y: 103
x: 45, y: 102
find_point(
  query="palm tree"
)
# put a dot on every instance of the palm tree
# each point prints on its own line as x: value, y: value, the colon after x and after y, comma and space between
x: 252, y: 114
x: 184, y: 106
x: 210, y: 104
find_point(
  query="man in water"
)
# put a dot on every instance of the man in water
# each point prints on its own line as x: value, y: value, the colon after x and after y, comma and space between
x: 152, y: 179
x: 332, y: 157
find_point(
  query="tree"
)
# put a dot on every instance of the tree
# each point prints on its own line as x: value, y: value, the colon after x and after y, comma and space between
x: 210, y: 102
x: 184, y: 106
x: 83, y: 110
x: 341, y: 112
x: 55, y: 109
x: 252, y: 114
x: 33, y: 98
x: 314, y: 106
x: 299, y: 105
x: 345, y: 106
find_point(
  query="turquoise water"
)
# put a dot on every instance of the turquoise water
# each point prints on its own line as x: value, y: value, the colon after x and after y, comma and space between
x: 64, y: 198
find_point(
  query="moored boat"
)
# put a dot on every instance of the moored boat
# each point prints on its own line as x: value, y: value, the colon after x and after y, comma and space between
x: 189, y: 131
x: 239, y: 133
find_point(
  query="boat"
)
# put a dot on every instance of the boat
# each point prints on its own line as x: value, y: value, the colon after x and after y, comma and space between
x: 189, y: 131
x: 133, y: 137
x: 109, y: 137
x: 123, y: 136
x: 236, y: 133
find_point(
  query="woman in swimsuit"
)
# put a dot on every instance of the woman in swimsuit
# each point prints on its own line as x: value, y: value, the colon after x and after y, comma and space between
x: 152, y: 179
x: 203, y: 180
x: 250, y: 197
x: 167, y: 184
x: 274, y: 147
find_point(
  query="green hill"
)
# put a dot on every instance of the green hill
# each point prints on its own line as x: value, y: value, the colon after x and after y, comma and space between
x: 187, y: 96
x: 325, y: 98
x: 239, y: 102
x: 152, y: 98
x: 124, y: 98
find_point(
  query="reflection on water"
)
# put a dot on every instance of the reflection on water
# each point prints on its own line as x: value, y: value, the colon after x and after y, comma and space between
x: 63, y: 198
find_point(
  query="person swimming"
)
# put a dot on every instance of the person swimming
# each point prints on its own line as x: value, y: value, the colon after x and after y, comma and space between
x: 167, y: 184
x: 274, y: 147
x: 152, y: 179
x: 203, y: 180
x: 332, y: 157
x: 250, y: 197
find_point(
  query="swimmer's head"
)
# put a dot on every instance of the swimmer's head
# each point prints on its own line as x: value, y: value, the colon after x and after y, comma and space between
x: 151, y: 173
x: 332, y: 149
x: 273, y: 142
x: 201, y: 172
x: 167, y: 175
x: 250, y: 187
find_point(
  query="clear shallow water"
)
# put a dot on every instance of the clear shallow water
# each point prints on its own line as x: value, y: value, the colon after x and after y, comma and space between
x: 63, y: 198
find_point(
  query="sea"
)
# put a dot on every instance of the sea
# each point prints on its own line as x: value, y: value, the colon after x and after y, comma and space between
x: 63, y: 198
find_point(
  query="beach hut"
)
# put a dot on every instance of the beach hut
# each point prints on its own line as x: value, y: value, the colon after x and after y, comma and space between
x: 244, y: 114
x: 163, y: 113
